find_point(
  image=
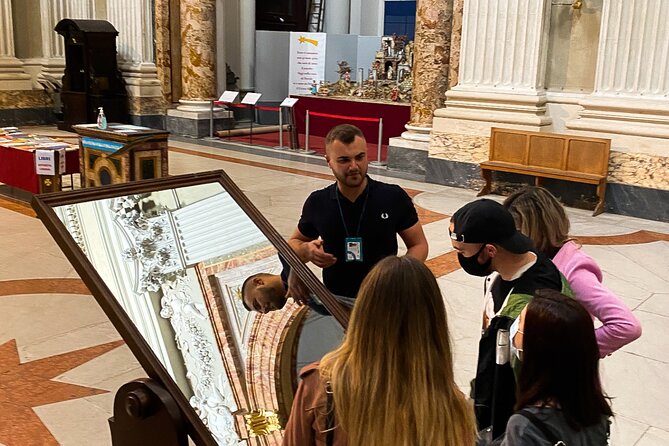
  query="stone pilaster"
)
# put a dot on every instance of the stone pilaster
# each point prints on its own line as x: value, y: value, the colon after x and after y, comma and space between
x: 456, y: 41
x: 198, y: 71
x: 12, y: 74
x: 632, y: 74
x: 134, y: 20
x: 163, y: 48
x: 247, y: 43
x: 430, y: 67
x: 502, y: 64
x: 336, y: 18
x: 430, y: 80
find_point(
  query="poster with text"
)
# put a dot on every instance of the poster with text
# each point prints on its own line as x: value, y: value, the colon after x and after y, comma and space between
x: 307, y: 61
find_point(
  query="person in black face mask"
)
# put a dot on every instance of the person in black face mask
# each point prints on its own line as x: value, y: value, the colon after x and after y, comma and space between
x: 484, y: 235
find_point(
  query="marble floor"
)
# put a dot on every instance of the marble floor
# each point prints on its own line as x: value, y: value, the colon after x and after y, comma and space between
x: 61, y: 360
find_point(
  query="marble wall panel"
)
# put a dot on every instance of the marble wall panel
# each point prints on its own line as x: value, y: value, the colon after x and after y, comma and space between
x: 146, y: 106
x: 24, y: 99
x: 458, y: 147
x: 637, y: 169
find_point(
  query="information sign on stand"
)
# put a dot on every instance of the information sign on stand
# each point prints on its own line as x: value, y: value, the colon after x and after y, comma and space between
x: 288, y: 103
x: 251, y: 98
x: 228, y: 96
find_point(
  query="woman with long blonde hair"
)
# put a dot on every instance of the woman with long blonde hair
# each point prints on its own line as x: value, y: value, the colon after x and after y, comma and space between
x: 391, y: 380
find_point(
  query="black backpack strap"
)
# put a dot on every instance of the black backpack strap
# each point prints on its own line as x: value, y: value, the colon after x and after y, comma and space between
x: 329, y: 417
x: 545, y: 430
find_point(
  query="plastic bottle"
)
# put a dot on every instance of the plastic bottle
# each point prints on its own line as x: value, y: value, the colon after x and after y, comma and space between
x: 102, y: 119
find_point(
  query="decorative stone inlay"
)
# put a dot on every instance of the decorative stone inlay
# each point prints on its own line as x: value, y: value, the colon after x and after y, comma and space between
x: 431, y: 57
x: 457, y: 147
x: 637, y: 169
x: 24, y: 99
x: 198, y: 52
x: 456, y: 40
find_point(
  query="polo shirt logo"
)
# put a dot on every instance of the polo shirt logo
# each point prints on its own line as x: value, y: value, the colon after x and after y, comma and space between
x: 384, y: 216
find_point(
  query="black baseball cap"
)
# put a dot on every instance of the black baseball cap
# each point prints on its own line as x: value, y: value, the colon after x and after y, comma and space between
x: 487, y: 221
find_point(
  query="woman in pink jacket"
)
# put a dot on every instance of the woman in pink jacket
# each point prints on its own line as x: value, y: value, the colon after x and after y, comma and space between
x: 540, y: 216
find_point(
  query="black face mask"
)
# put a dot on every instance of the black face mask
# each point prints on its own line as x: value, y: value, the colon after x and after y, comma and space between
x: 473, y: 267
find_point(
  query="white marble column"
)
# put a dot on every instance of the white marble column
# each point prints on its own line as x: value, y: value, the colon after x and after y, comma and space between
x: 502, y: 63
x: 247, y: 41
x: 12, y: 74
x: 134, y: 21
x: 79, y: 9
x: 52, y: 63
x: 632, y: 77
x: 337, y: 17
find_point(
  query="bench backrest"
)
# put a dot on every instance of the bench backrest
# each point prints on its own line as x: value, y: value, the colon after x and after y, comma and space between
x: 550, y: 150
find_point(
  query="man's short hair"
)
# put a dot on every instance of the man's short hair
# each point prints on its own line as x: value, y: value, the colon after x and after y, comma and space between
x: 345, y: 133
x: 244, y: 290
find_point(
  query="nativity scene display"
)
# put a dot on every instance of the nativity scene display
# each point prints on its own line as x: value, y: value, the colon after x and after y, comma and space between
x: 388, y: 78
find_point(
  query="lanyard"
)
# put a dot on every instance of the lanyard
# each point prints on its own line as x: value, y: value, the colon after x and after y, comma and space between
x: 341, y: 213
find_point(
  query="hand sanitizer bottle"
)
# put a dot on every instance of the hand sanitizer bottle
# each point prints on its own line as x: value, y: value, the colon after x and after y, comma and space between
x: 102, y: 119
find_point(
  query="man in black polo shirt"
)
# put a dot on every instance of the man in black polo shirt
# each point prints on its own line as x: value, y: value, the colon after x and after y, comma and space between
x: 349, y: 226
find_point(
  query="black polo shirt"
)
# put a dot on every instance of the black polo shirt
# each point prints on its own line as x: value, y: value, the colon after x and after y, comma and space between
x: 387, y: 210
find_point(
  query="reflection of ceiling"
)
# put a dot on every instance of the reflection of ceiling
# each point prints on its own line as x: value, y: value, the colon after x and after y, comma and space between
x: 214, y: 227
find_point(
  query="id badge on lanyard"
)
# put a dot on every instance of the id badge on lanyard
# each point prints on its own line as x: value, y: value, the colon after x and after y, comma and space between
x: 353, y: 249
x: 353, y: 245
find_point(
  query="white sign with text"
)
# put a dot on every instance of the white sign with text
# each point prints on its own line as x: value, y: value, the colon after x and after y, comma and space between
x: 307, y: 61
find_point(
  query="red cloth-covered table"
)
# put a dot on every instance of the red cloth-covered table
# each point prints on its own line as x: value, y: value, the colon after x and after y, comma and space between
x: 17, y: 168
x: 394, y: 115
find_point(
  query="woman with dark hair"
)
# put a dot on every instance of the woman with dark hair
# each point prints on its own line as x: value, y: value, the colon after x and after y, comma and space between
x: 391, y: 380
x: 541, y: 217
x: 559, y: 394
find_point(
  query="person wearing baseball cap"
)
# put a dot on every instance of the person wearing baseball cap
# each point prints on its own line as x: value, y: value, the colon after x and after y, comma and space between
x: 488, y: 244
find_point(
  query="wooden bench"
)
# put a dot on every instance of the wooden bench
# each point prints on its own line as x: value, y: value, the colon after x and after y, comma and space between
x: 548, y: 155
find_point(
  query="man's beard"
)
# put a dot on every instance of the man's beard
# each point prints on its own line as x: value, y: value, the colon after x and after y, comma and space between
x: 352, y: 180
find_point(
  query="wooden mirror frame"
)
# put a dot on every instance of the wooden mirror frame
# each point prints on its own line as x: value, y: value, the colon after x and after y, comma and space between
x: 43, y: 205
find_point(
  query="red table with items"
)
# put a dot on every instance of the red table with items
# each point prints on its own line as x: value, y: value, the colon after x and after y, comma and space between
x: 17, y: 169
x: 395, y: 116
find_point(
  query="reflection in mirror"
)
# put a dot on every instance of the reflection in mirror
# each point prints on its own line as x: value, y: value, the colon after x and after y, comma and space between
x: 175, y: 261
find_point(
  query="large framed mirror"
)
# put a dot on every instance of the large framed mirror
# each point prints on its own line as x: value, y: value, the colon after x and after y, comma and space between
x: 166, y: 259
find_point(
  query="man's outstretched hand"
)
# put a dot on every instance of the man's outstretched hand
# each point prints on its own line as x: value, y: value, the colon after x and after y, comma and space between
x: 318, y: 256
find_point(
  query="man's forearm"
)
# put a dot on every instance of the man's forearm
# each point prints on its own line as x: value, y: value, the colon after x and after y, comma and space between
x: 301, y: 249
x: 418, y: 252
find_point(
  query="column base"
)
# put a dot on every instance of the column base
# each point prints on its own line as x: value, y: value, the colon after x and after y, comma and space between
x: 408, y: 153
x: 522, y: 109
x: 625, y: 116
x: 196, y: 124
x: 13, y: 76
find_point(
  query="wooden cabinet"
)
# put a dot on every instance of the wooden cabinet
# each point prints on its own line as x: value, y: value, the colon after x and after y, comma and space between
x: 92, y: 78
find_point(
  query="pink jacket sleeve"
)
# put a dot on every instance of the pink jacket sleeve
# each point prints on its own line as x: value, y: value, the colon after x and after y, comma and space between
x: 619, y: 325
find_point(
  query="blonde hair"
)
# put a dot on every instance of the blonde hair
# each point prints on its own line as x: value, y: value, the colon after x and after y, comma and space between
x: 392, y: 377
x: 541, y: 217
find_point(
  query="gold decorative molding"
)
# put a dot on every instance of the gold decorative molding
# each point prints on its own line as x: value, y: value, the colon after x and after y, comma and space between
x: 262, y: 422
